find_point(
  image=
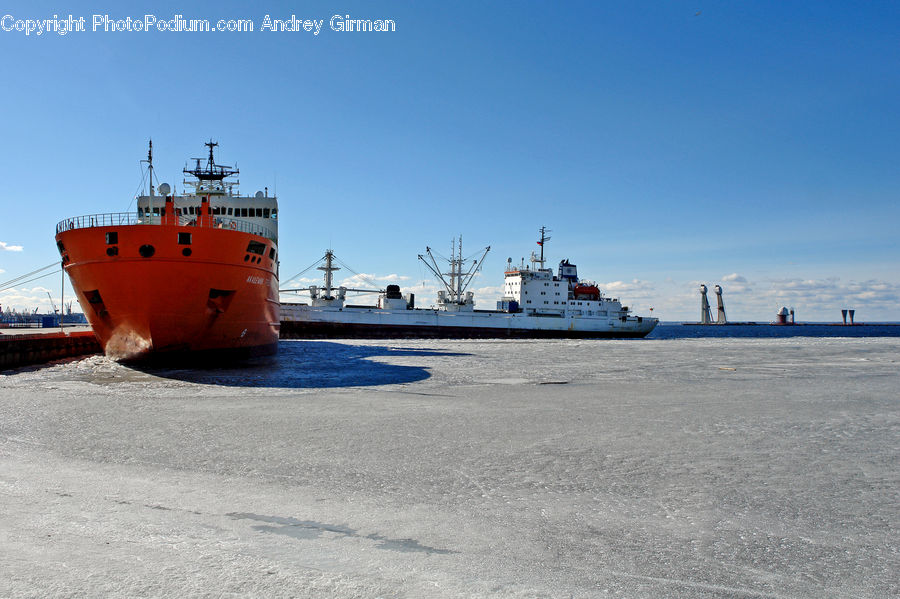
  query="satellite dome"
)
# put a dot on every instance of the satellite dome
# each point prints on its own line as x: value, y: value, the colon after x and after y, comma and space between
x: 259, y: 194
x: 164, y: 189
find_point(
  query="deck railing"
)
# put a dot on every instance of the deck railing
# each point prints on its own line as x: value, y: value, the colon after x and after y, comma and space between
x: 117, y: 219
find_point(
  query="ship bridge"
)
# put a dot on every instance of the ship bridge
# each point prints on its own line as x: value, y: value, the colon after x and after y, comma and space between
x: 212, y: 183
x: 535, y: 290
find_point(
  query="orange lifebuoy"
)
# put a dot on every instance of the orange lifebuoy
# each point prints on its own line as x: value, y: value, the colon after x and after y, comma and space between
x: 233, y: 225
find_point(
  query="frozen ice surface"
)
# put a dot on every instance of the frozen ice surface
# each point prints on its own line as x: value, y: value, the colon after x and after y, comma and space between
x: 682, y: 467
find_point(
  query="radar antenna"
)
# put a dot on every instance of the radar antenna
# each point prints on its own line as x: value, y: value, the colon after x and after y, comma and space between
x: 211, y: 171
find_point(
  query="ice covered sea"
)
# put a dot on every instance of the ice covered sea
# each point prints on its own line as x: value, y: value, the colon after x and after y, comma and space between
x: 711, y: 467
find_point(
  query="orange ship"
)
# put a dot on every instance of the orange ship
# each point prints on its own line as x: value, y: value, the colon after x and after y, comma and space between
x: 195, y: 274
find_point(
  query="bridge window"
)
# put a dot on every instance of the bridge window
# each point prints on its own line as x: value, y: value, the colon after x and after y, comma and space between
x: 265, y: 213
x: 230, y: 211
x: 274, y: 213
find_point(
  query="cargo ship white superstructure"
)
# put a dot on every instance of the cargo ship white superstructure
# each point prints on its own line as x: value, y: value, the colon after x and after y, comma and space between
x: 536, y: 303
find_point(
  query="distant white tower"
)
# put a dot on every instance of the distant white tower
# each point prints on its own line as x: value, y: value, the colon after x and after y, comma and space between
x: 705, y: 317
x: 721, y: 304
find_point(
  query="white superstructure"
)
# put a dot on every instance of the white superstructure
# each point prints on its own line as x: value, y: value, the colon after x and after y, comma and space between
x: 229, y: 210
x: 536, y: 303
x: 537, y: 292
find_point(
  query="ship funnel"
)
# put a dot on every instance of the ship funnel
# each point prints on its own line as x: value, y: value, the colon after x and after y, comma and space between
x: 844, y: 316
x: 851, y: 313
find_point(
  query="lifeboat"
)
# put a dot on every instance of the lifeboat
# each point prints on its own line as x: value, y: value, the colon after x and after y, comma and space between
x: 586, y: 292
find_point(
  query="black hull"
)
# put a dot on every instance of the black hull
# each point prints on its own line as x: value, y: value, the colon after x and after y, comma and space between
x: 336, y: 330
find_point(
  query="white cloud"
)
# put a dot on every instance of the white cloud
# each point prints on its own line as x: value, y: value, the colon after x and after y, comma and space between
x: 831, y: 291
x: 393, y: 278
x: 633, y: 289
x: 486, y: 297
x: 10, y: 248
x: 736, y: 284
x: 299, y: 282
x: 26, y: 299
x: 366, y: 280
x: 734, y: 277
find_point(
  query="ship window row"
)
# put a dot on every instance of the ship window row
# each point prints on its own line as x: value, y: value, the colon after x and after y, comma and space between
x: 254, y: 247
x: 216, y: 210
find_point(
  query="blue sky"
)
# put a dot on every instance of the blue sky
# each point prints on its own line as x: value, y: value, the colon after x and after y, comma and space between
x: 753, y: 145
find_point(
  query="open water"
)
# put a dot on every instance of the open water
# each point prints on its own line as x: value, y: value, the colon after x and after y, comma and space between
x: 689, y: 331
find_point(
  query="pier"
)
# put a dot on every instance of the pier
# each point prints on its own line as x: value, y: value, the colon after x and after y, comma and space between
x: 23, y: 347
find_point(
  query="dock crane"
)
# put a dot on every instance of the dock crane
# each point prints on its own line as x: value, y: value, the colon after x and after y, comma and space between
x: 52, y: 303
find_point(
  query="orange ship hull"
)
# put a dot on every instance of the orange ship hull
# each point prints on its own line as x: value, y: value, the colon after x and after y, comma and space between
x: 207, y: 296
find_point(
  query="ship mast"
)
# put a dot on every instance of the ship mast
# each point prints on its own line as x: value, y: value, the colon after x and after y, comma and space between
x: 328, y: 268
x: 544, y: 238
x: 149, y: 162
x: 456, y: 281
x: 150, y: 166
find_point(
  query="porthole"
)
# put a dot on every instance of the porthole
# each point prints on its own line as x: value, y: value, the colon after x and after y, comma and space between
x: 247, y: 257
x: 112, y: 251
x: 186, y: 252
x: 146, y: 250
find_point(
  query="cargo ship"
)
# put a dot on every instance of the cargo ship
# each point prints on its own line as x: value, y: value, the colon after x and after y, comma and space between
x: 192, y: 275
x: 536, y: 303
